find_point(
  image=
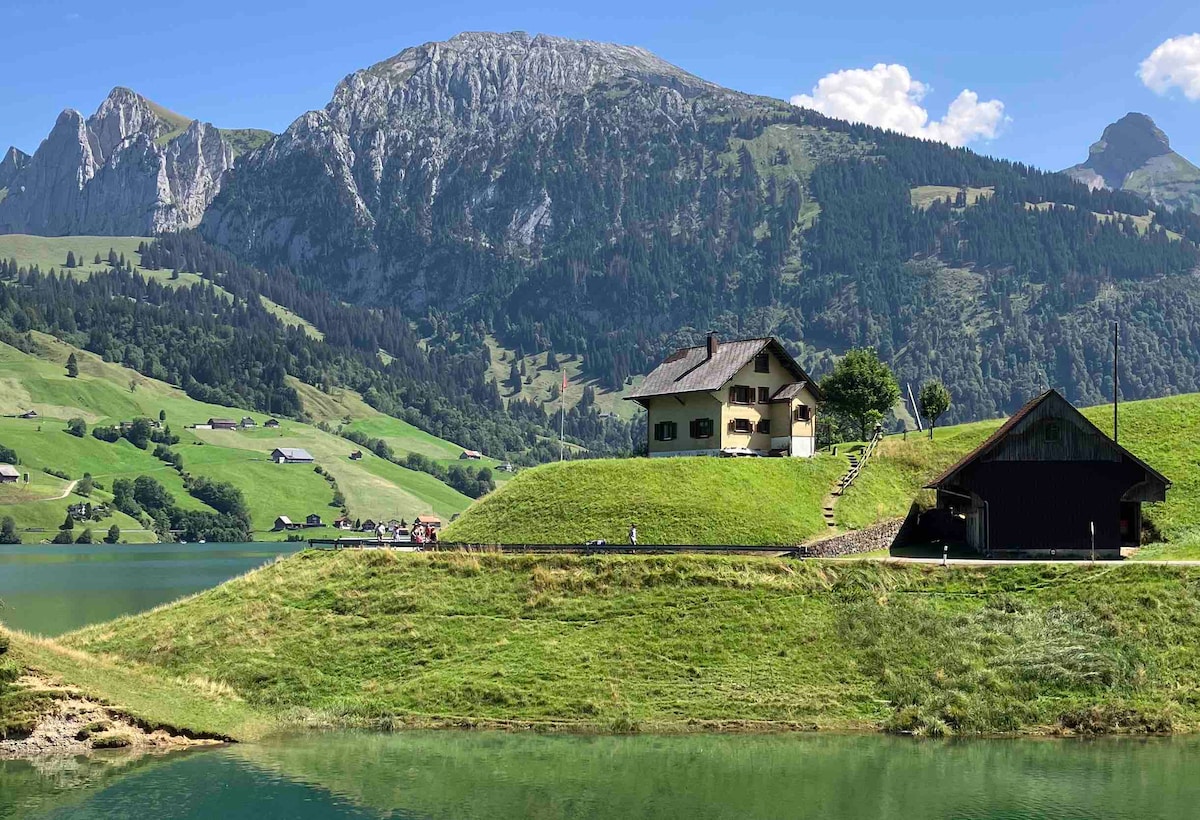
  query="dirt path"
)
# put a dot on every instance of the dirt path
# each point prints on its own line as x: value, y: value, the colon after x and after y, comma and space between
x: 64, y: 493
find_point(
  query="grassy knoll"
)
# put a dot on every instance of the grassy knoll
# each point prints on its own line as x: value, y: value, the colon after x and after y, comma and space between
x: 672, y: 501
x: 1156, y: 430
x: 152, y: 696
x: 105, y: 392
x: 686, y: 642
x: 51, y: 251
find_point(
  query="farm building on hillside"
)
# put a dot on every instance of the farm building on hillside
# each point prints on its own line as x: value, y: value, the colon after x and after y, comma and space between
x: 9, y: 474
x: 248, y: 423
x: 1044, y: 482
x: 313, y: 520
x: 222, y: 424
x: 291, y: 455
x: 284, y: 523
x: 747, y: 397
x: 431, y: 521
x: 271, y: 424
x: 473, y: 455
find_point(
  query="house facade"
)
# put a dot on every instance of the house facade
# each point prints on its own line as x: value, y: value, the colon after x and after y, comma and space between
x: 745, y: 397
x: 9, y: 474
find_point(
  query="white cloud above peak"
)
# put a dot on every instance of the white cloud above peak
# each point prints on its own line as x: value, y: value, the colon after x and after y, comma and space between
x: 1174, y: 64
x: 888, y: 96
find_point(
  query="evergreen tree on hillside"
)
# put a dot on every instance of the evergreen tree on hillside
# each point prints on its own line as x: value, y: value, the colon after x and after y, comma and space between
x: 113, y: 536
x: 8, y: 531
x: 72, y: 366
x: 70, y: 263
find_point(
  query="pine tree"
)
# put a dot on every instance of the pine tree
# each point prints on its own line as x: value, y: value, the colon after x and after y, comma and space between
x: 70, y: 259
x: 72, y: 366
x: 114, y: 535
x: 96, y: 261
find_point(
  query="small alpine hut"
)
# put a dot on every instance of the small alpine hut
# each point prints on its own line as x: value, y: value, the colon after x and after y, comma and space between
x: 1038, y: 486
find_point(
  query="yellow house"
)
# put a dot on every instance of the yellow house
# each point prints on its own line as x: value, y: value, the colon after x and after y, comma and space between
x: 733, y: 398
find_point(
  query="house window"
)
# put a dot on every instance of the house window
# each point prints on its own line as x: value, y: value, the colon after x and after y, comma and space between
x: 740, y: 426
x: 764, y: 395
x: 764, y: 426
x: 1053, y: 432
x: 741, y: 394
x: 762, y: 362
x: 804, y: 413
x: 665, y: 431
x: 702, y: 428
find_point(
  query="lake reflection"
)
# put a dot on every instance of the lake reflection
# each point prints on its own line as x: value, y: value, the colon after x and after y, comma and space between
x: 489, y: 775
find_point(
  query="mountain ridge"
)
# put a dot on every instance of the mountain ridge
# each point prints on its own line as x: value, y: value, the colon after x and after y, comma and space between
x: 132, y: 168
x: 1134, y: 154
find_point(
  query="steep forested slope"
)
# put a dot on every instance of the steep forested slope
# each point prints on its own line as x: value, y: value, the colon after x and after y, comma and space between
x: 593, y: 199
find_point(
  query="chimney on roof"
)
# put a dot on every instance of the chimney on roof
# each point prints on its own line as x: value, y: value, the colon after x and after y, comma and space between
x: 713, y: 344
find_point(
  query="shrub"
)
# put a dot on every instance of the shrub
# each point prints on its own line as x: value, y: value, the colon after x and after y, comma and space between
x: 77, y: 427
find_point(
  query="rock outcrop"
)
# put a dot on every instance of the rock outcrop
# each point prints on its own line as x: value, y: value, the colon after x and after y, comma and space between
x: 1135, y: 155
x: 358, y: 185
x: 131, y: 168
x: 14, y: 160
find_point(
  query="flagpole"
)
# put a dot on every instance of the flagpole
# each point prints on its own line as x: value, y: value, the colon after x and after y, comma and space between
x: 562, y: 419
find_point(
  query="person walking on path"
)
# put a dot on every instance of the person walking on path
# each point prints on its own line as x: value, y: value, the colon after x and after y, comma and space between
x: 633, y: 535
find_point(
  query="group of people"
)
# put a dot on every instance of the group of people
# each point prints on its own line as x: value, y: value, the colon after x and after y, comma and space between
x: 420, y: 534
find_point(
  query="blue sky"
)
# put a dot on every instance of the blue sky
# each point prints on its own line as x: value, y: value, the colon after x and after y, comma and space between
x: 1061, y: 74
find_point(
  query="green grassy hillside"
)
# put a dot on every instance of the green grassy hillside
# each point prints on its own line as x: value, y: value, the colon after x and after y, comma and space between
x: 1159, y: 431
x: 105, y: 393
x: 685, y: 643
x: 672, y: 501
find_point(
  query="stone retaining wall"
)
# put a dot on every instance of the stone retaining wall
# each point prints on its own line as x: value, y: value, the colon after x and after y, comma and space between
x: 873, y: 538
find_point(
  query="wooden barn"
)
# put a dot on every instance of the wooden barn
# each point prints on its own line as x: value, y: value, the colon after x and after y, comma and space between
x: 1038, y: 486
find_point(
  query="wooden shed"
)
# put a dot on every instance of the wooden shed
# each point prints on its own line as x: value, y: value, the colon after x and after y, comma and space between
x: 1044, y: 482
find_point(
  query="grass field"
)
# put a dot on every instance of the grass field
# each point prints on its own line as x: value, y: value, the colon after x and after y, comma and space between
x: 672, y: 501
x: 1156, y: 430
x: 924, y: 196
x: 543, y: 380
x: 51, y: 251
x: 621, y: 643
x: 157, y: 699
x: 101, y: 394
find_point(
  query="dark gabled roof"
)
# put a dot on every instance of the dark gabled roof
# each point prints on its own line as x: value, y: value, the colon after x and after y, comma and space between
x: 689, y: 370
x: 790, y: 391
x: 1004, y: 429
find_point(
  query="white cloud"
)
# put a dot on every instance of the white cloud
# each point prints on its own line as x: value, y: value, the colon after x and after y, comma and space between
x: 1174, y: 63
x: 887, y: 96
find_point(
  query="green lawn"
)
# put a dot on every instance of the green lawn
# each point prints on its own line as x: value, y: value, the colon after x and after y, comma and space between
x: 693, y: 642
x: 672, y: 501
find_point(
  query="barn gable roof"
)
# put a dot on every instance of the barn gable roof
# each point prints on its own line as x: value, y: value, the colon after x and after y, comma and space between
x: 690, y: 370
x: 1009, y: 426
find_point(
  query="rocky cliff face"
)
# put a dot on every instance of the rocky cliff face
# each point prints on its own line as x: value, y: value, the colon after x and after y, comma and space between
x: 1135, y: 155
x: 14, y: 160
x: 131, y: 168
x: 446, y: 138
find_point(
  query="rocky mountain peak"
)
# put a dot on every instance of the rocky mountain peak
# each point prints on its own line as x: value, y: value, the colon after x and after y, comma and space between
x: 14, y: 160
x: 1134, y: 154
x: 478, y: 76
x: 133, y: 167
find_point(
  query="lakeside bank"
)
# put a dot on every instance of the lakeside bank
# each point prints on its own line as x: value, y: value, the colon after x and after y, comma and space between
x: 673, y: 643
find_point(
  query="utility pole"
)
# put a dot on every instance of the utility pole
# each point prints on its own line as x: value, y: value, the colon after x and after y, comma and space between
x: 1116, y: 383
x: 562, y: 421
